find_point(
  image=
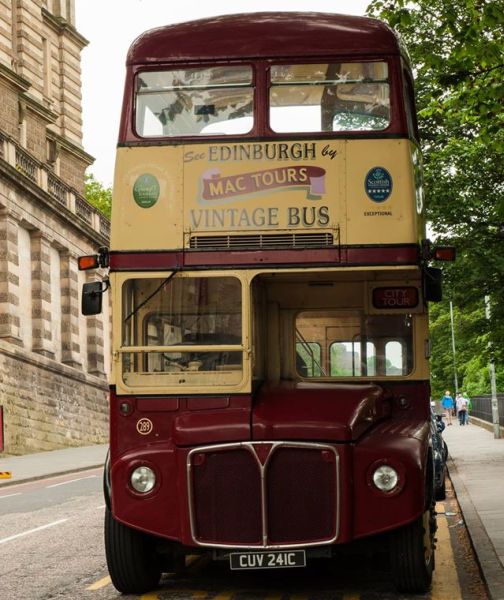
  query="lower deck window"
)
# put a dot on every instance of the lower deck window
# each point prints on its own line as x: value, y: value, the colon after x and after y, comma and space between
x: 352, y: 344
x: 192, y: 324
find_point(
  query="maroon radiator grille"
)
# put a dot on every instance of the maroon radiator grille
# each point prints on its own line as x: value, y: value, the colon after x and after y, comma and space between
x: 298, y: 495
x: 227, y: 497
x: 301, y: 496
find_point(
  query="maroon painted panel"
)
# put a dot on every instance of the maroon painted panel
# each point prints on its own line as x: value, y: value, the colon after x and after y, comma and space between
x: 148, y: 404
x: 311, y: 411
x: 182, y: 420
x: 264, y: 35
x: 387, y: 423
x: 167, y: 261
x: 158, y: 511
x: 212, y: 427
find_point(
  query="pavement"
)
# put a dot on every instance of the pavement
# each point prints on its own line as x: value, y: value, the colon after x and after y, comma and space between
x: 57, y: 462
x: 476, y: 468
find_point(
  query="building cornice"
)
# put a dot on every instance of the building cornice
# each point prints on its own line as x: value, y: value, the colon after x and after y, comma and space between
x: 39, y: 109
x: 63, y: 27
x: 70, y: 147
x: 20, y: 83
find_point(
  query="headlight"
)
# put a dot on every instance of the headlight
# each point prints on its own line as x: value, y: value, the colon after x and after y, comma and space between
x: 385, y: 478
x: 143, y: 479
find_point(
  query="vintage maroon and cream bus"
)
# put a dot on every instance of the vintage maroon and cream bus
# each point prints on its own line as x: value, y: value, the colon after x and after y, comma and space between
x: 269, y: 396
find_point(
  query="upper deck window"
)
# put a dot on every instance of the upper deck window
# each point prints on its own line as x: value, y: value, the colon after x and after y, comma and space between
x: 314, y: 98
x: 194, y: 101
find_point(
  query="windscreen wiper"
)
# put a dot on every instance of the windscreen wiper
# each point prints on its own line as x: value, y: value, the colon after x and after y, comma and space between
x: 137, y: 308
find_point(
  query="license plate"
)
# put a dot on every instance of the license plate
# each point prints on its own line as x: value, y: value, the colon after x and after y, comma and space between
x: 280, y: 559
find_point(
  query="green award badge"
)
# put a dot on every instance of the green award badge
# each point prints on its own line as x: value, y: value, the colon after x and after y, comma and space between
x: 146, y: 190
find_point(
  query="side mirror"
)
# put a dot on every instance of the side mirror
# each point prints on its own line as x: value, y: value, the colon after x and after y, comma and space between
x: 432, y: 284
x: 92, y: 293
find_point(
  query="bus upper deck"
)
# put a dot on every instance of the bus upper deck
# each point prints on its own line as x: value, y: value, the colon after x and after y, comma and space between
x: 263, y: 143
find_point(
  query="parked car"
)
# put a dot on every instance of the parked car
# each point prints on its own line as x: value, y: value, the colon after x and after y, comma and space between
x: 440, y: 450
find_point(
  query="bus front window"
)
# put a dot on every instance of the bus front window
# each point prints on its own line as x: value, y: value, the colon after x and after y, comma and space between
x: 329, y: 97
x: 192, y: 324
x: 194, y: 102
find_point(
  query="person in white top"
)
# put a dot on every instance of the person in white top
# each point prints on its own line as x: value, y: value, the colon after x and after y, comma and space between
x: 461, y: 404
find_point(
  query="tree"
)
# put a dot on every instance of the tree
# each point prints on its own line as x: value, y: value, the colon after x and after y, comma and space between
x: 97, y: 195
x: 457, y: 53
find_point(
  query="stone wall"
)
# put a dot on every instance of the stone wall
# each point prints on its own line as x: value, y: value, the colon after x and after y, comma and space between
x: 49, y: 406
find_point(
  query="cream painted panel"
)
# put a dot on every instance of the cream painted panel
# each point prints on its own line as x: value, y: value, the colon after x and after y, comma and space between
x: 147, y: 199
x: 393, y: 220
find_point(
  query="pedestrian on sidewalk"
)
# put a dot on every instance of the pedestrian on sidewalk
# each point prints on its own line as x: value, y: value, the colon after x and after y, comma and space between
x: 447, y: 405
x: 461, y: 403
x: 469, y: 406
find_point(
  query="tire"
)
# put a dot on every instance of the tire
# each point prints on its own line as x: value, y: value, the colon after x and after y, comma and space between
x: 133, y: 564
x: 441, y: 490
x: 412, y: 555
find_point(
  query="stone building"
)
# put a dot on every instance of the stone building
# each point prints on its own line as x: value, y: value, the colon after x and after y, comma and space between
x: 53, y: 361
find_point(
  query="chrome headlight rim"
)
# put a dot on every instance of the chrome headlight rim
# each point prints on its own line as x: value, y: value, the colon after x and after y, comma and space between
x: 385, y: 478
x: 397, y: 466
x: 143, y: 479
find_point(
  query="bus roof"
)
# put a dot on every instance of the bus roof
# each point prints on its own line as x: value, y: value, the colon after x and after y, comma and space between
x: 264, y: 35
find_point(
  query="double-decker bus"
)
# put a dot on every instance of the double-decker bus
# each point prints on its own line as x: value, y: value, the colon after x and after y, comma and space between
x: 269, y: 398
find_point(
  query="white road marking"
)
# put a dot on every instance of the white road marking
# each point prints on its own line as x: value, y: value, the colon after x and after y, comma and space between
x: 71, y: 481
x: 18, y: 535
x: 10, y: 495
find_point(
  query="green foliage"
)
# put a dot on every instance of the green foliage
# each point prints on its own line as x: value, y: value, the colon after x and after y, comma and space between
x: 97, y: 195
x: 457, y: 54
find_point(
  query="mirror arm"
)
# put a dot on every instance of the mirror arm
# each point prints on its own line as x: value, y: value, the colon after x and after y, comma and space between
x: 100, y: 291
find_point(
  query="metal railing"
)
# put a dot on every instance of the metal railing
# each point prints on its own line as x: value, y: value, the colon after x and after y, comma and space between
x: 482, y: 408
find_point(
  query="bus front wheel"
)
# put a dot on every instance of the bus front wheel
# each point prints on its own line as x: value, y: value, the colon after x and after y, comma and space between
x: 133, y: 564
x: 412, y: 555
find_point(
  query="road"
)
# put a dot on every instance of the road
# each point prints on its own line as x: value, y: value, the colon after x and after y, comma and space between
x: 51, y: 547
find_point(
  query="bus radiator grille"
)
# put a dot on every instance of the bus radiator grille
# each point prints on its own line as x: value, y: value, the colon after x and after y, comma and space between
x: 227, y: 498
x: 301, y: 496
x: 298, y: 496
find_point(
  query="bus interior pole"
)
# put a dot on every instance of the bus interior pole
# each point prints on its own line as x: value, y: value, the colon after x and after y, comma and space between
x: 493, y: 385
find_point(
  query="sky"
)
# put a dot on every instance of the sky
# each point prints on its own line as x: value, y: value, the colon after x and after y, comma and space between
x: 110, y: 26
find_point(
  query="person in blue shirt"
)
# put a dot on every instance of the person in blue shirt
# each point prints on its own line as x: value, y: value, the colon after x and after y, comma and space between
x: 447, y: 404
